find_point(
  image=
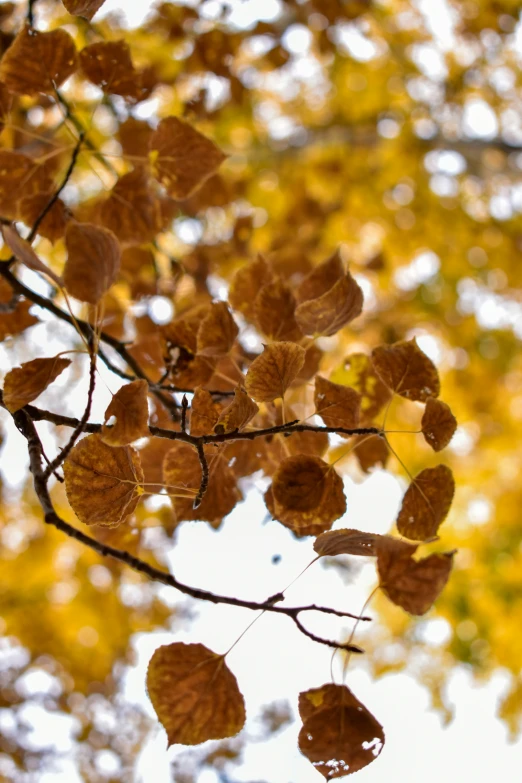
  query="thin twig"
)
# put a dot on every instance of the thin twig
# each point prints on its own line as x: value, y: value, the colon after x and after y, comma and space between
x: 52, y: 201
x: 62, y: 456
x: 204, y: 475
x: 184, y: 406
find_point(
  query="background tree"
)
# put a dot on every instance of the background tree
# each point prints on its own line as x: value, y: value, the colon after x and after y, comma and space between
x: 239, y: 237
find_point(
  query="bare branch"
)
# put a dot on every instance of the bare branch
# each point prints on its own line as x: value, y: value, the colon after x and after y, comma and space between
x: 204, y: 475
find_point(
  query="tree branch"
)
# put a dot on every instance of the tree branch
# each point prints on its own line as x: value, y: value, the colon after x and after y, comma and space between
x: 26, y: 427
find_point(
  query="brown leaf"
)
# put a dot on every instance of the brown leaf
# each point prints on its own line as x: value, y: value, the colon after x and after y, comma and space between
x: 217, y: 331
x: 321, y: 279
x: 134, y: 136
x: 307, y: 495
x: 359, y: 373
x: 331, y: 311
x: 103, y: 484
x: 412, y: 585
x: 346, y: 542
x: 247, y: 282
x: 93, y: 261
x: 426, y: 503
x: 85, y: 8
x: 18, y: 318
x: 338, y: 406
x: 278, y: 447
x: 130, y: 408
x: 24, y: 384
x: 20, y: 177
x: 271, y: 373
x: 405, y: 369
x: 370, y: 451
x: 182, y: 157
x: 186, y: 369
x: 274, y: 308
x: 108, y: 64
x: 438, y: 424
x: 23, y: 252
x: 204, y: 413
x: 132, y: 211
x: 238, y: 414
x: 182, y: 471
x: 52, y: 227
x: 38, y: 62
x: 195, y: 695
x: 339, y: 736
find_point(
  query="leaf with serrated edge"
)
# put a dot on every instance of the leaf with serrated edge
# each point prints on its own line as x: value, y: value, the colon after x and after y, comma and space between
x: 339, y: 735
x: 130, y: 408
x: 405, y: 369
x: 103, y: 484
x: 426, y: 503
x: 195, y: 695
x: 438, y: 424
x: 413, y: 585
x: 271, y: 373
x: 24, y: 384
x: 238, y: 414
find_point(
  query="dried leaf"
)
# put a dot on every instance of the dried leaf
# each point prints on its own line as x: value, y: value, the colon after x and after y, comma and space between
x: 134, y: 136
x: 20, y: 177
x: 195, y: 695
x: 271, y: 373
x: 132, y: 211
x: 329, y: 298
x: 130, y: 408
x: 274, y: 312
x: 338, y: 406
x: 85, y: 8
x: 182, y: 157
x: 182, y: 471
x: 321, y: 279
x: 370, y: 451
x: 426, y: 503
x: 38, y: 62
x: 18, y: 318
x: 103, y: 484
x: 204, y: 413
x: 23, y: 252
x: 247, y: 282
x: 412, y: 585
x: 438, y: 424
x: 339, y: 735
x: 306, y: 495
x: 217, y: 331
x: 186, y: 369
x: 108, y: 64
x: 52, y: 227
x: 346, y: 542
x: 93, y: 261
x: 359, y: 373
x: 406, y: 370
x: 238, y: 414
x: 333, y: 310
x: 24, y: 384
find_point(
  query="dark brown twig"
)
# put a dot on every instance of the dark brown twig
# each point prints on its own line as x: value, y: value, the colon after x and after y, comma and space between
x: 204, y: 475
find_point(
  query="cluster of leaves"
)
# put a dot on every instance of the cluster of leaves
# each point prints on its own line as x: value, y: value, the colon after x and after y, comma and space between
x: 94, y: 192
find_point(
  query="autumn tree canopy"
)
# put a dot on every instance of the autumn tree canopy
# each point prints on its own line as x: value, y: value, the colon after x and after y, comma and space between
x: 255, y: 247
